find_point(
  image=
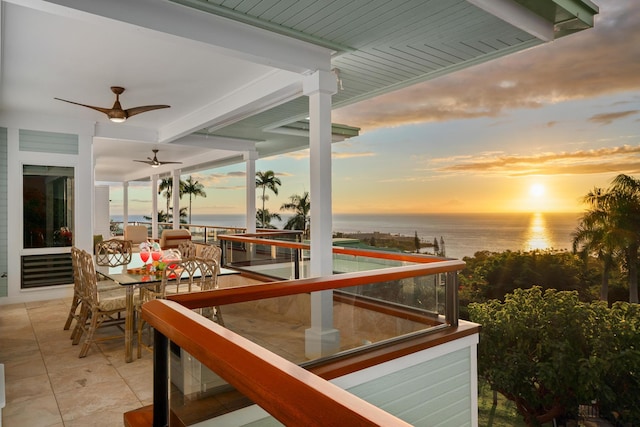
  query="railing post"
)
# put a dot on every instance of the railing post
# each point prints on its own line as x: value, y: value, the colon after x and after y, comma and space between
x: 223, y: 253
x: 160, y: 380
x: 296, y: 264
x: 452, y: 309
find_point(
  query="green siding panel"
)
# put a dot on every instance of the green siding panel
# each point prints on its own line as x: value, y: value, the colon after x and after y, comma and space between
x: 48, y: 142
x: 432, y: 393
x: 4, y: 242
x: 435, y: 393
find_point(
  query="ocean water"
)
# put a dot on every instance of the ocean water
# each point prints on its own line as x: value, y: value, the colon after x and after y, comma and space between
x: 463, y: 234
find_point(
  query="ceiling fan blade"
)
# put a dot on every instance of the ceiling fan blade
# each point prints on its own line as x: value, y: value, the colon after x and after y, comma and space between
x: 102, y: 110
x: 137, y: 110
x: 144, y: 161
x: 168, y: 163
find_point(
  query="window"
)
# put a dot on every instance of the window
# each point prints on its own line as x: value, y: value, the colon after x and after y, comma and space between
x: 47, y: 206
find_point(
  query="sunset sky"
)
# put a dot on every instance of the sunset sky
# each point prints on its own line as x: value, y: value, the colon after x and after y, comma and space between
x: 534, y: 131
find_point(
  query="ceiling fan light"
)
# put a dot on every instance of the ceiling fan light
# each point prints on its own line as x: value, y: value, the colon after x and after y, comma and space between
x: 155, y: 165
x: 117, y: 119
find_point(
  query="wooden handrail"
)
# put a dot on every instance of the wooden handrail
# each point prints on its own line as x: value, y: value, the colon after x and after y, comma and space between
x: 392, y: 256
x: 288, y: 392
x: 238, y: 294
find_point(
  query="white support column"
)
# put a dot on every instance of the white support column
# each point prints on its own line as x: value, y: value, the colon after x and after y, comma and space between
x: 125, y: 204
x: 154, y: 210
x: 250, y: 157
x: 175, y: 193
x: 321, y: 339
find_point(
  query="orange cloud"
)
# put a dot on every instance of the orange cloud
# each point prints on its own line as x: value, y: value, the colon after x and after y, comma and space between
x: 602, y: 60
x: 624, y: 159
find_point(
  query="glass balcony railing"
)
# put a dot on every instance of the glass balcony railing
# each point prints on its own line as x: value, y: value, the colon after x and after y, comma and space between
x: 250, y: 368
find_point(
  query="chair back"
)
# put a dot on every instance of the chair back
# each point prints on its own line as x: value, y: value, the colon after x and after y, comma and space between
x: 136, y: 233
x: 209, y: 270
x: 187, y: 250
x: 179, y: 276
x: 113, y: 252
x: 172, y: 238
x: 213, y: 252
x: 89, y: 281
x: 76, y: 266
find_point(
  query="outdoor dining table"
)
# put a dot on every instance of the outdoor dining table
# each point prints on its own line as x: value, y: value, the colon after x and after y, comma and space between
x: 133, y: 276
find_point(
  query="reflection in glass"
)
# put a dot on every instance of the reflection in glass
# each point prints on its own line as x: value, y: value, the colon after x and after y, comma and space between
x: 47, y: 206
x: 537, y: 234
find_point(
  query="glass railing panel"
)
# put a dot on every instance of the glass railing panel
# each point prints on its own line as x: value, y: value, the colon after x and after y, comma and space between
x: 361, y: 316
x: 345, y: 263
x: 266, y: 259
x: 197, y: 395
x: 427, y: 294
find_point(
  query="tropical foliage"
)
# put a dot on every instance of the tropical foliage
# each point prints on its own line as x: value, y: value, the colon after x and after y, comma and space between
x: 266, y: 181
x: 492, y: 275
x: 610, y: 230
x: 165, y: 188
x: 193, y: 189
x: 264, y: 218
x: 300, y: 206
x: 549, y: 352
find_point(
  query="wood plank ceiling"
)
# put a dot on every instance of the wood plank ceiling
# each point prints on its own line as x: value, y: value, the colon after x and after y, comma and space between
x: 392, y: 44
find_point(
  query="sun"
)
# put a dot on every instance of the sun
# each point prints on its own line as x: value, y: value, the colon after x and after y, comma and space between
x: 537, y: 190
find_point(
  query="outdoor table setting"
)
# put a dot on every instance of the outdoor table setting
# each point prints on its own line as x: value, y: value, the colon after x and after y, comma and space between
x: 144, y: 269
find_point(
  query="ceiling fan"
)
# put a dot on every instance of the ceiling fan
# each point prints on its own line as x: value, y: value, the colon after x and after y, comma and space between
x: 116, y: 114
x: 155, y: 162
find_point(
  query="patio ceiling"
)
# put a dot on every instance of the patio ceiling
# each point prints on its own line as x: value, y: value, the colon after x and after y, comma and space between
x: 232, y: 71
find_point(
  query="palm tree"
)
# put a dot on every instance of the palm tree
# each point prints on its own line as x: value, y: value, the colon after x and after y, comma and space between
x: 613, y: 225
x: 266, y: 180
x: 623, y: 200
x: 301, y: 206
x: 165, y: 188
x: 264, y: 217
x: 162, y: 217
x: 595, y: 236
x: 193, y: 189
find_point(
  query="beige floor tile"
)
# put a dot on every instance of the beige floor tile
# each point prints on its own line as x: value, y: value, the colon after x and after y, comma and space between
x: 141, y: 383
x: 19, y: 390
x: 28, y: 365
x: 38, y: 412
x: 69, y: 359
x: 17, y: 348
x: 108, y: 418
x: 97, y: 399
x: 83, y: 377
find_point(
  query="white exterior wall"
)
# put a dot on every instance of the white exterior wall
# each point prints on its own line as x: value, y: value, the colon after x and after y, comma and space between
x: 83, y: 193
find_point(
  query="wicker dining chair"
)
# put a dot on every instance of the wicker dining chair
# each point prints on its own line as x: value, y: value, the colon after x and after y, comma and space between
x: 113, y: 252
x: 209, y: 270
x: 187, y: 249
x: 98, y: 308
x: 78, y: 290
x: 211, y: 252
x: 74, y: 310
x: 170, y: 275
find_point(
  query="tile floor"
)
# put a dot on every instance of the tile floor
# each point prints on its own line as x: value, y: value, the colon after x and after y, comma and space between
x: 47, y: 384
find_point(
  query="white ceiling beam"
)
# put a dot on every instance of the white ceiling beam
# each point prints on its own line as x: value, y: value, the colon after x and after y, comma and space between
x: 217, y: 142
x: 260, y: 95
x: 222, y: 35
x: 142, y: 173
x: 518, y: 16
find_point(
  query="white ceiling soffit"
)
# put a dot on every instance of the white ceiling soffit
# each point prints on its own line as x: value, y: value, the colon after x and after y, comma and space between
x: 117, y: 158
x: 211, y: 70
